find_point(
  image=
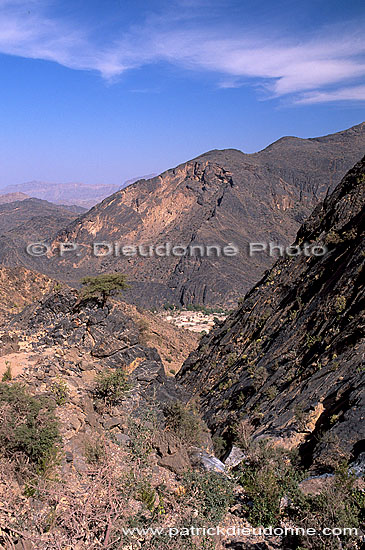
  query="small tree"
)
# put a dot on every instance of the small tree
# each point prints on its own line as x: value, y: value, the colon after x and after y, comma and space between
x: 103, y: 286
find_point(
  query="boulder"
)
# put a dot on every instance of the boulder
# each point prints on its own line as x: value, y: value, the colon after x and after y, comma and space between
x: 235, y: 457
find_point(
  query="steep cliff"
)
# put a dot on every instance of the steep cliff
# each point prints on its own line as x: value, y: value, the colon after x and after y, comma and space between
x: 290, y: 359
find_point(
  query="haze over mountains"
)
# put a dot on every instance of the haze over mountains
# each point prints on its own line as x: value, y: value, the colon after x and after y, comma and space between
x: 70, y: 193
x: 218, y: 198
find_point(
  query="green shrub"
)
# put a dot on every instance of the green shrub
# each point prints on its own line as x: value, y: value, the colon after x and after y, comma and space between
x: 349, y: 235
x: 170, y: 307
x: 59, y: 390
x: 144, y: 333
x: 242, y: 433
x: 332, y: 237
x: 231, y: 359
x: 220, y: 445
x: 147, y: 495
x: 271, y: 392
x: 143, y: 325
x: 340, y: 304
x: 28, y: 425
x: 258, y: 375
x: 240, y: 399
x: 266, y: 479
x: 111, y: 386
x: 141, y: 435
x: 293, y: 314
x: 205, y: 310
x: 210, y: 493
x: 311, y: 340
x: 340, y: 504
x: 185, y: 422
x: 94, y: 451
x: 270, y: 473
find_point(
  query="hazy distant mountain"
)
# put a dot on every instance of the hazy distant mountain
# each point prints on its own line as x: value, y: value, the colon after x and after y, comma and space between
x: 12, y: 197
x: 9, y: 198
x: 81, y: 194
x: 218, y: 198
x: 75, y: 208
x: 35, y: 212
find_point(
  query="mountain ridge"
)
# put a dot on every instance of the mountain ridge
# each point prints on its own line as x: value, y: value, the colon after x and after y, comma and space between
x: 220, y: 197
x: 12, y: 197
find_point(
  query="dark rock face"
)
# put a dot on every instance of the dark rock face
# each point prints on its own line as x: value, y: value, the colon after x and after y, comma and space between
x: 218, y: 198
x: 290, y: 359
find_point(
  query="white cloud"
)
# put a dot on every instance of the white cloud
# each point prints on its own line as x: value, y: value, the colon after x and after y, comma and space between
x: 282, y: 65
x: 352, y: 93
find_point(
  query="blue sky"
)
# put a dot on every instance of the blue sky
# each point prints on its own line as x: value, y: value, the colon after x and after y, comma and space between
x: 101, y: 91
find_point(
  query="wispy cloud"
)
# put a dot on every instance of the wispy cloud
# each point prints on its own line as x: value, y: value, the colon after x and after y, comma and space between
x: 303, y: 70
x: 351, y: 93
x: 26, y: 31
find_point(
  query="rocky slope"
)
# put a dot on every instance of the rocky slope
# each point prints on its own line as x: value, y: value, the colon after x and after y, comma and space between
x: 27, y: 215
x: 139, y: 459
x: 172, y: 343
x: 290, y: 359
x: 218, y: 198
x: 117, y: 463
x: 20, y: 287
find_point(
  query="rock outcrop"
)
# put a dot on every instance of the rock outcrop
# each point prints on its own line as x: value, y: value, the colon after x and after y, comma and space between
x: 90, y: 336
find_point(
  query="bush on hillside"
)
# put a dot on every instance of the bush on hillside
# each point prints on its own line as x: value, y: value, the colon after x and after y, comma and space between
x: 28, y: 427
